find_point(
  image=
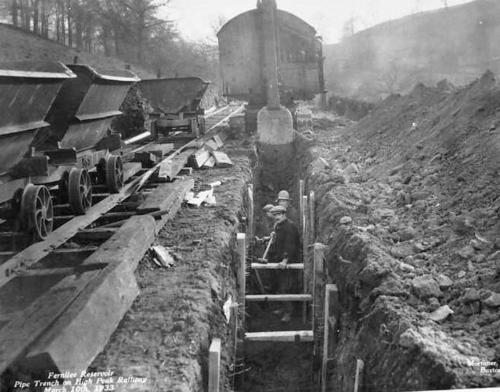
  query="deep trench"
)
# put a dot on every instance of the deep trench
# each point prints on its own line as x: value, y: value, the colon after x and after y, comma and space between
x: 275, y: 366
x: 373, y: 324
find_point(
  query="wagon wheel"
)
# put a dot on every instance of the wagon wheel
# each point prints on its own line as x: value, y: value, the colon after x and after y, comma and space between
x: 36, y: 211
x: 114, y: 173
x: 79, y: 190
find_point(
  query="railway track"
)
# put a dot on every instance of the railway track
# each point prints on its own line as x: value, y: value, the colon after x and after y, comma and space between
x: 50, y: 291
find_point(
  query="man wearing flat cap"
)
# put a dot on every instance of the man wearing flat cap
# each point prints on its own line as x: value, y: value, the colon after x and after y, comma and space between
x: 269, y: 217
x: 285, y: 249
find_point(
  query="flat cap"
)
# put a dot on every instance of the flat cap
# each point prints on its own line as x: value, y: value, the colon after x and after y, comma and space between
x: 267, y: 207
x: 278, y: 210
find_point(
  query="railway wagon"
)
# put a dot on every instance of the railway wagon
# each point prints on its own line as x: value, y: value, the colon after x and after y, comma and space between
x: 178, y: 105
x: 27, y: 92
x: 299, y: 57
x: 79, y: 141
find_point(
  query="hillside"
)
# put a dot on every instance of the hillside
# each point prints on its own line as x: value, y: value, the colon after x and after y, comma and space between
x: 19, y: 45
x: 456, y: 43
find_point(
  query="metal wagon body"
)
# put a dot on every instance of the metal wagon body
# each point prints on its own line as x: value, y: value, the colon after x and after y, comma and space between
x: 177, y: 104
x: 78, y: 141
x: 27, y: 91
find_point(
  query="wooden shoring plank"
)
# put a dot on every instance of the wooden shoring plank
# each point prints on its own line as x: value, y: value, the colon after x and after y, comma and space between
x: 171, y: 166
x: 59, y: 271
x: 222, y: 159
x: 211, y: 145
x: 184, y: 186
x: 306, y: 276
x: 318, y: 282
x: 67, y: 251
x: 214, y: 365
x: 164, y: 196
x: 153, y: 154
x: 278, y: 297
x: 77, y: 308
x: 217, y: 139
x: 276, y: 266
x: 199, y: 158
x: 34, y: 253
x: 99, y: 233
x: 301, y: 193
x: 250, y: 213
x: 330, y: 290
x: 210, y: 163
x: 251, y: 231
x: 312, y: 217
x: 242, y: 271
x: 236, y: 111
x: 358, y: 377
x: 280, y: 336
x: 130, y: 169
x: 211, y: 114
x: 119, y: 215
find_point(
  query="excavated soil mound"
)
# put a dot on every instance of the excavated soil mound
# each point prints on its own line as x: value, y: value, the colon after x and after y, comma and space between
x: 418, y: 267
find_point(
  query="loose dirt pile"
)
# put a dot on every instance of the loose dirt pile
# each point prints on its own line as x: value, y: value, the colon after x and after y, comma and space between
x: 135, y: 118
x: 419, y: 265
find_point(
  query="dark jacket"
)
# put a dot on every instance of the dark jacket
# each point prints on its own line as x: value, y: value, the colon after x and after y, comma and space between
x: 286, y: 243
x: 293, y: 215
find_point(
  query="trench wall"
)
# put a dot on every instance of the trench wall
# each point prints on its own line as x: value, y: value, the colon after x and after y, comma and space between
x: 401, y: 349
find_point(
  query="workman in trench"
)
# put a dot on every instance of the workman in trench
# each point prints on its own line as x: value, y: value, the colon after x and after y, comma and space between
x: 284, y: 200
x: 285, y: 249
x: 268, y: 225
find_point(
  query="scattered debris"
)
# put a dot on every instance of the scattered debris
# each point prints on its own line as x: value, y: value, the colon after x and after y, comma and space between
x: 201, y: 197
x: 221, y: 159
x: 162, y: 257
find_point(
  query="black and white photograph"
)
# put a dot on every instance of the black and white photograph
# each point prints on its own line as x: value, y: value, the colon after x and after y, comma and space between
x: 249, y: 195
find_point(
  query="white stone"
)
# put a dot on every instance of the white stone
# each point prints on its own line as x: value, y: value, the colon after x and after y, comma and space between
x: 441, y: 313
x: 493, y: 300
x: 444, y: 281
x: 345, y: 220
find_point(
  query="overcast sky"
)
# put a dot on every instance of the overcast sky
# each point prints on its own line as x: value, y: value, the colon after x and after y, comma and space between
x: 196, y: 19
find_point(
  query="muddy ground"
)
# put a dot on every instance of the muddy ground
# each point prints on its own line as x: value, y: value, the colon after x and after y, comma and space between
x: 166, y: 334
x: 418, y: 267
